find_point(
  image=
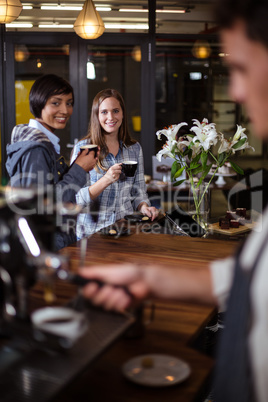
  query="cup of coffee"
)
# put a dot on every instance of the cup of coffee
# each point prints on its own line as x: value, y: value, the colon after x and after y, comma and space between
x: 89, y: 148
x: 62, y: 322
x: 129, y: 168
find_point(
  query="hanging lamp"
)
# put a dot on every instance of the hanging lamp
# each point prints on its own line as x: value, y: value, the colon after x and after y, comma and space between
x: 201, y: 49
x: 21, y: 53
x: 89, y: 24
x: 9, y: 10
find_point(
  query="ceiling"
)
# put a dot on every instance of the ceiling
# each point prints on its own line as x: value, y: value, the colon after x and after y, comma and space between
x: 196, y: 19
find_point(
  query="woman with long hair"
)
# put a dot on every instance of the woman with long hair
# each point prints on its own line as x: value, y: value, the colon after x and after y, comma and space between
x: 108, y: 187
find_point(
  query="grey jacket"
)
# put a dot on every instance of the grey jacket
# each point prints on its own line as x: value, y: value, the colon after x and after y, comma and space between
x: 33, y: 162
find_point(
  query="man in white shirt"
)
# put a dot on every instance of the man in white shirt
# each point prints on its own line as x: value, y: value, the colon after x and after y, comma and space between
x: 242, y: 373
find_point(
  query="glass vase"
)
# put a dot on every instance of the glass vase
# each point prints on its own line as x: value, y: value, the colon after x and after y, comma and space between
x: 199, y: 204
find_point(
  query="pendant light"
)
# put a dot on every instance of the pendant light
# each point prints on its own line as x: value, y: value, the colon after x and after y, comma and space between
x: 201, y: 49
x: 89, y: 24
x: 21, y: 53
x: 9, y: 10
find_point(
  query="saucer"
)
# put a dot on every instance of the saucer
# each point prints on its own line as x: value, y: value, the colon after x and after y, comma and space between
x: 114, y: 231
x: 162, y: 370
x: 137, y: 218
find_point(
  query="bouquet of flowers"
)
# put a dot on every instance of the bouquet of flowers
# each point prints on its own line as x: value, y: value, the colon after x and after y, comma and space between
x: 193, y: 154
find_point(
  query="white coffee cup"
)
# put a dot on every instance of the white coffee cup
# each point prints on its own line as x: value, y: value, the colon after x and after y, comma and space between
x: 62, y: 322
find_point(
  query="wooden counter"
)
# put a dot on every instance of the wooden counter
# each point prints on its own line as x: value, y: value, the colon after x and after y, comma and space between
x: 173, y: 331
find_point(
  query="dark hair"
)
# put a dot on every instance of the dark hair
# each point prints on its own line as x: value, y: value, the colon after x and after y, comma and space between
x: 254, y: 13
x: 45, y: 87
x: 95, y: 131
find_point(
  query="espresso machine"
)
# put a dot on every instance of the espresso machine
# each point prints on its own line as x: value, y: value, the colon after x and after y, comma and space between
x: 32, y: 367
x: 26, y: 240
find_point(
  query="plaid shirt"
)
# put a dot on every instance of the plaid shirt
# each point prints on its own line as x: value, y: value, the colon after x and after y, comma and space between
x: 118, y: 199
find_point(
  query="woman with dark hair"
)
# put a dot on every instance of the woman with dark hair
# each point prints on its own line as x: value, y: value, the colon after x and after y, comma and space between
x: 33, y: 156
x: 115, y: 194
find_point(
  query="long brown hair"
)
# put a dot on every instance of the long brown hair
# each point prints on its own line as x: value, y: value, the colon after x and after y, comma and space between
x: 95, y: 131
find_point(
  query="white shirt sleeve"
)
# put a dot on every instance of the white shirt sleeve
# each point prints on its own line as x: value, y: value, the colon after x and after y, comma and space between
x: 83, y: 197
x: 222, y: 272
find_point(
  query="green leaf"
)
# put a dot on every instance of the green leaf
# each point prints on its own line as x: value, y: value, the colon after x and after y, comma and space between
x: 175, y: 166
x: 196, y: 159
x: 189, y: 153
x: 239, y: 143
x: 174, y: 148
x: 196, y: 171
x: 204, y: 174
x: 179, y: 172
x: 221, y: 159
x: 204, y: 158
x: 194, y: 166
x: 236, y: 168
x: 177, y: 183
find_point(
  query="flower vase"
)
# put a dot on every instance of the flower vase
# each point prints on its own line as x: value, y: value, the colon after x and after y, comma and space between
x: 199, y: 204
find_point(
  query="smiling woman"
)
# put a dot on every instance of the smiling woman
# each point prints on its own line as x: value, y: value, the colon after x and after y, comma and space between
x: 34, y: 153
x: 57, y: 112
x: 115, y: 192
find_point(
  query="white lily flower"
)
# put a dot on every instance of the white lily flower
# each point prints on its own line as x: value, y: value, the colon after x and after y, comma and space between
x: 165, y: 151
x: 206, y: 134
x: 187, y: 147
x: 170, y: 132
x: 227, y: 145
x: 239, y: 133
x: 185, y: 141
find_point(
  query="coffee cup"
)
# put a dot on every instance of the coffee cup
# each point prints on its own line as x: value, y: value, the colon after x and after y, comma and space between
x: 129, y: 168
x: 89, y: 148
x: 62, y: 322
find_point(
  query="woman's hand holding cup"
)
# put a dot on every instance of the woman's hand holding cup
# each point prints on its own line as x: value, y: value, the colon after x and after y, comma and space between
x: 87, y: 159
x: 113, y: 173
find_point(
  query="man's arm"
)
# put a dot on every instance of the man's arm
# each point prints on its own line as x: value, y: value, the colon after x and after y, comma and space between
x: 147, y: 281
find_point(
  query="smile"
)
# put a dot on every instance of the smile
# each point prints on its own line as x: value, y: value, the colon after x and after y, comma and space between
x: 61, y: 119
x: 111, y: 123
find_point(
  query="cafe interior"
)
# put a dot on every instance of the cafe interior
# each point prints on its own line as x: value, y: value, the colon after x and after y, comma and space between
x: 165, y: 58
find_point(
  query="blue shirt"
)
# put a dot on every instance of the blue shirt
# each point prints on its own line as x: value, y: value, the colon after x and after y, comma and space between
x: 119, y: 199
x: 52, y: 137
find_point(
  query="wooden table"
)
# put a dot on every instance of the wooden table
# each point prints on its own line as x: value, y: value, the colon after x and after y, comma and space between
x: 173, y: 331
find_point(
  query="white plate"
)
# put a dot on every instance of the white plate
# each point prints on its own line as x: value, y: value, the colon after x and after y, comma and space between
x: 223, y: 174
x: 165, y: 371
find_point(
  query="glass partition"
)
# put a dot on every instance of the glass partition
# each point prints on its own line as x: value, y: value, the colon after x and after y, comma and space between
x: 117, y: 67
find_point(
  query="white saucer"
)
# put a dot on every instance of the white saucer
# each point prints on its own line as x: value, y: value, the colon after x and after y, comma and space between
x: 165, y: 371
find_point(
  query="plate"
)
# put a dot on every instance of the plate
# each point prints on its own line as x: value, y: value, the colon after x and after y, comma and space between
x: 162, y: 370
x: 215, y: 228
x: 114, y: 231
x: 222, y: 174
x: 137, y: 218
